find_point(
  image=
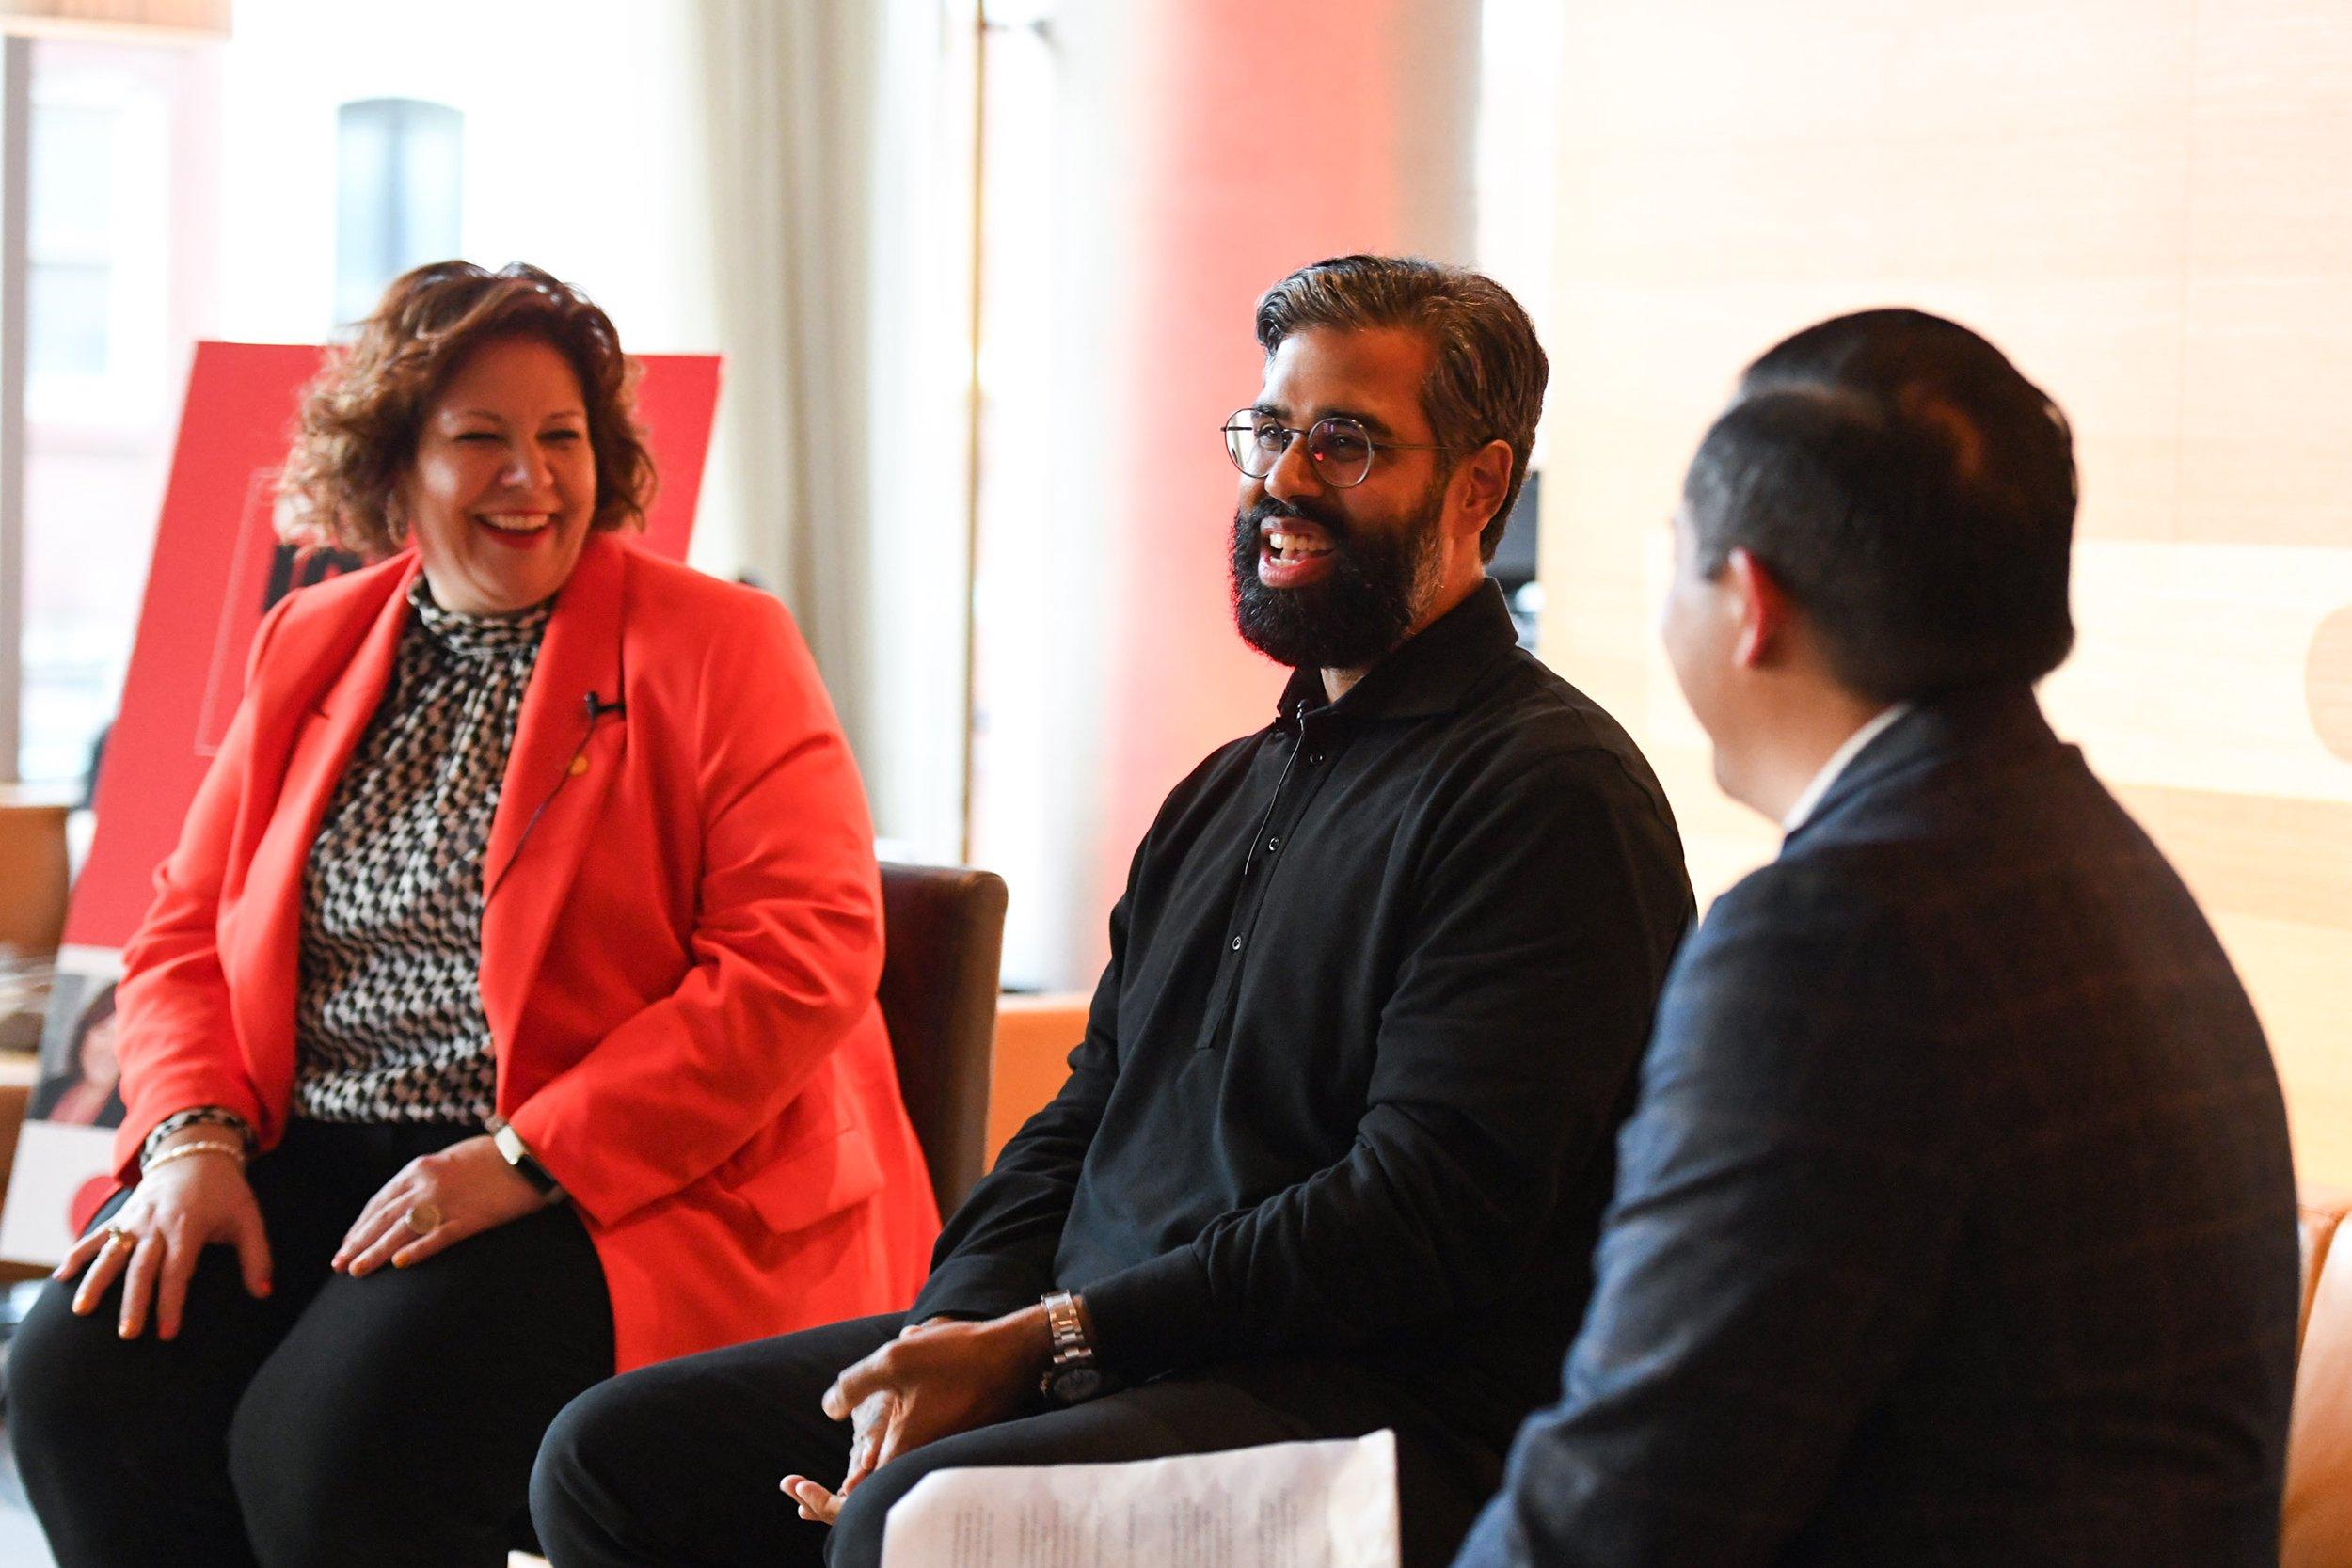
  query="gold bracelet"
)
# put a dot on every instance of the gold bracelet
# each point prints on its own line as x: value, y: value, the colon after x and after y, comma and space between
x: 197, y: 1146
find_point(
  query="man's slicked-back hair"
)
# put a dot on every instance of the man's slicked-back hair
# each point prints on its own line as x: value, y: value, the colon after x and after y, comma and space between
x: 1910, y: 490
x: 1488, y: 380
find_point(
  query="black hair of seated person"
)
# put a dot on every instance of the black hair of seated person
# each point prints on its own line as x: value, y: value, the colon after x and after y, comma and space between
x: 1910, y: 490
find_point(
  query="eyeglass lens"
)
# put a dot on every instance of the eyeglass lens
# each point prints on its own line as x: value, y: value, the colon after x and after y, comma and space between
x: 1339, y: 447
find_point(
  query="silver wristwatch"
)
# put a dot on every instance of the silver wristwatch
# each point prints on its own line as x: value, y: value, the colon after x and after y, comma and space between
x: 1072, y: 1377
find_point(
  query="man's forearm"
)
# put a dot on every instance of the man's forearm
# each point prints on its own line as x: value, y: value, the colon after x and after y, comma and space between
x: 996, y: 1251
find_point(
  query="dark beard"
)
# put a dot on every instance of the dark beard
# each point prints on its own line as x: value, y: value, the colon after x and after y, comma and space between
x: 1361, y: 611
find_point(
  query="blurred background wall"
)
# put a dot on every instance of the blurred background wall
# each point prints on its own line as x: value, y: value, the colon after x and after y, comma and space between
x: 2148, y: 203
x: 1193, y: 153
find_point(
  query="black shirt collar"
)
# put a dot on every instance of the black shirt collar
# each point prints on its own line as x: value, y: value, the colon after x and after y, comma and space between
x: 1431, y: 672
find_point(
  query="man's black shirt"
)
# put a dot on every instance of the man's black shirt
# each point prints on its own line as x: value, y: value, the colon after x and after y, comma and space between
x: 1377, y: 987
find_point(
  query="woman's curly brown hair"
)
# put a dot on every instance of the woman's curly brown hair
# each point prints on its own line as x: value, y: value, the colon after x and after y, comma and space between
x: 356, y: 434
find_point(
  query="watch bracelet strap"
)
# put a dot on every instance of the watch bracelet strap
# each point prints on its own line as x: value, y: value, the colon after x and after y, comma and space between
x: 517, y: 1154
x: 1064, y: 1318
x: 1076, y: 1370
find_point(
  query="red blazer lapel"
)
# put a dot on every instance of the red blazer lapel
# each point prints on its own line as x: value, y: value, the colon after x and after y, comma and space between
x: 562, y: 765
x: 264, y: 962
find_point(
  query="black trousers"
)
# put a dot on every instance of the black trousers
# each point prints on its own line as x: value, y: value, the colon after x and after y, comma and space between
x: 385, y: 1422
x: 677, y: 1466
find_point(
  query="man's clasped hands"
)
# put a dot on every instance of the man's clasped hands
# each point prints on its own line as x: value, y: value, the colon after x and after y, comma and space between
x: 936, y: 1379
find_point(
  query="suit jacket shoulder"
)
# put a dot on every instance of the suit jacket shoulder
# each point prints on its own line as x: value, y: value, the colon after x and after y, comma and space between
x: 1806, y: 995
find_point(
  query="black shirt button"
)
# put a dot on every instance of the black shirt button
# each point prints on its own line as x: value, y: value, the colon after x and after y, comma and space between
x: 1272, y: 844
x: 1314, y: 758
x: 1237, y: 945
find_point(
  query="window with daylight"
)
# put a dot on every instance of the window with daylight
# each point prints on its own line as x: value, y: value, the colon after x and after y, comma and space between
x: 399, y: 194
x: 108, y: 214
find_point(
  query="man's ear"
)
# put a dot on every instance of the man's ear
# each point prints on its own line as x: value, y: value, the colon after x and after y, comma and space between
x: 1765, y: 610
x: 1482, y: 482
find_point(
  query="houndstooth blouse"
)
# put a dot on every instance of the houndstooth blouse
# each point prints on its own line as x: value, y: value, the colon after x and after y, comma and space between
x: 388, y: 1023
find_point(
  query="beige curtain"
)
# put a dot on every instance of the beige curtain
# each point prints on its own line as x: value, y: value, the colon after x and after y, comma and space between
x: 838, y: 184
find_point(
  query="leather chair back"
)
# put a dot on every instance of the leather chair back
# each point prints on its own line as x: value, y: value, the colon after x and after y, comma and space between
x: 2317, y: 1523
x: 942, y: 933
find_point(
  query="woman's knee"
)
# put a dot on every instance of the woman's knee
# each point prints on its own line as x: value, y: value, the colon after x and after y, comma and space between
x: 71, y: 1376
x: 323, y: 1461
x: 279, y: 1455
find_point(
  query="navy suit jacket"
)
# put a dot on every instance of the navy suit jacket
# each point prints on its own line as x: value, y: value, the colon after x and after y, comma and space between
x: 1956, y: 1223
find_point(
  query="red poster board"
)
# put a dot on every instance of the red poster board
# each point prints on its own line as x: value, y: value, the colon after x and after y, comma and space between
x: 218, y: 566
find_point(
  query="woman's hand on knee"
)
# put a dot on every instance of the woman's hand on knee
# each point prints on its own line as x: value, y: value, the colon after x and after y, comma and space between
x: 437, y: 1201
x: 154, y: 1240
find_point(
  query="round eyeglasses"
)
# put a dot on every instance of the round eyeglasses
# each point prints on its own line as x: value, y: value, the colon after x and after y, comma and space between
x: 1340, y: 447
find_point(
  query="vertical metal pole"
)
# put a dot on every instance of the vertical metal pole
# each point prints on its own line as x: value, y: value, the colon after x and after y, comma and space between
x: 16, y: 138
x: 973, y: 418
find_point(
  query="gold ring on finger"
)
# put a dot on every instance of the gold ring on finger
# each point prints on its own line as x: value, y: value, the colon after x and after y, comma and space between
x: 425, y: 1218
x: 122, y: 1236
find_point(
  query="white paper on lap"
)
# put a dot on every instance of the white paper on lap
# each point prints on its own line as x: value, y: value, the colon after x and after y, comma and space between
x: 1286, y: 1505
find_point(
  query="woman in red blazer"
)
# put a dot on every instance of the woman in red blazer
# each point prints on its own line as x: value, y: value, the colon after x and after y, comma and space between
x: 506, y: 1013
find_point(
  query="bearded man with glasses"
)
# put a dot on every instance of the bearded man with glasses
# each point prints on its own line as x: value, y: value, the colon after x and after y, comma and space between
x: 1333, y: 1151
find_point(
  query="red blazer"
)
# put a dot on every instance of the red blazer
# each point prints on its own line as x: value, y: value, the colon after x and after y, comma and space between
x: 678, y: 956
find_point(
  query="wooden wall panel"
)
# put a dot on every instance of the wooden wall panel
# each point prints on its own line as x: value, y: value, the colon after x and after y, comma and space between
x: 2149, y: 204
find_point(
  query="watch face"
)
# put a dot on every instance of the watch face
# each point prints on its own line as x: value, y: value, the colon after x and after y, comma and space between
x: 1074, y: 1384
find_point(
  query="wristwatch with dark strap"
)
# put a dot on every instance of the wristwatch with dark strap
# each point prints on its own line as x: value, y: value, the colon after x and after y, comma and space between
x: 517, y: 1154
x: 1072, y: 1377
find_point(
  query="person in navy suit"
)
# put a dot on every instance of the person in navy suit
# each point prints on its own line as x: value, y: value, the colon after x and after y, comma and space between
x: 1955, y: 1223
